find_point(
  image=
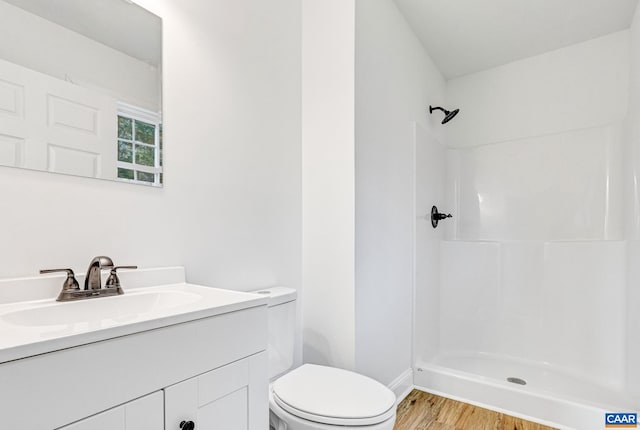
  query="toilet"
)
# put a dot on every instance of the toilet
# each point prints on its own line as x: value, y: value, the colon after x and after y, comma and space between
x: 314, y: 397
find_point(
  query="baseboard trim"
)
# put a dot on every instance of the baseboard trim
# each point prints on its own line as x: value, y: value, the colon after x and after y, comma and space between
x: 402, y: 385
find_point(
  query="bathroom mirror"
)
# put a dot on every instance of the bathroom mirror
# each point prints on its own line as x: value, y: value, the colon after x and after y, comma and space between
x: 80, y: 89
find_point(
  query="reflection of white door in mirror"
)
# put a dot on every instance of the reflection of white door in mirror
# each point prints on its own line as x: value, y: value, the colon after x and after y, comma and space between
x: 53, y: 125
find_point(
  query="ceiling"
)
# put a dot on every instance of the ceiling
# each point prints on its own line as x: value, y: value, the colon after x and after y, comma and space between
x: 467, y: 36
x: 119, y: 24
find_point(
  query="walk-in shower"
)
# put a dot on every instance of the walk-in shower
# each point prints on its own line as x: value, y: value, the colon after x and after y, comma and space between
x: 527, y: 299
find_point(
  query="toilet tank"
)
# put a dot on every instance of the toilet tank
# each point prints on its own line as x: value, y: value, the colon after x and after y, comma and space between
x: 282, y: 326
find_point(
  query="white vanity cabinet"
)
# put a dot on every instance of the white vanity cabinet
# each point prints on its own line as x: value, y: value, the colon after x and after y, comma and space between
x: 210, y: 370
x: 230, y: 398
x: 146, y: 413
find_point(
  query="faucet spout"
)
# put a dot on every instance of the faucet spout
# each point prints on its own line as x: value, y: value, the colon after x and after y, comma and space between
x: 92, y: 280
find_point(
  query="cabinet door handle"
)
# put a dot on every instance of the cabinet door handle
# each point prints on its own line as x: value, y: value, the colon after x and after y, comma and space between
x: 187, y: 425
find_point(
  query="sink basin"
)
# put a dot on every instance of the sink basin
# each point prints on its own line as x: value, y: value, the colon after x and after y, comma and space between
x: 40, y: 326
x: 100, y: 311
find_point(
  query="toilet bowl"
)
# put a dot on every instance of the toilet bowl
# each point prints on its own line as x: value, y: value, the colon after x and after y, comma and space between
x: 313, y: 397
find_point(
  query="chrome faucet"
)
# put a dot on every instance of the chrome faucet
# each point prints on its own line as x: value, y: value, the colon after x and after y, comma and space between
x: 92, y: 281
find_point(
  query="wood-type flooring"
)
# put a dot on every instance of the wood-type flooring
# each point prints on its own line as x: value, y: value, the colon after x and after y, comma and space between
x: 424, y: 411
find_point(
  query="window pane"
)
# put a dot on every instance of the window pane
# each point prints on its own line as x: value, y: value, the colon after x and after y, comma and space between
x: 160, y: 143
x: 145, y: 155
x: 125, y: 128
x: 125, y: 173
x: 125, y: 151
x: 145, y: 177
x: 145, y: 133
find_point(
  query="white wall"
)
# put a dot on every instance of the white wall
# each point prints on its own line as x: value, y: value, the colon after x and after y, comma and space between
x: 230, y: 208
x: 395, y: 83
x: 536, y: 267
x: 358, y: 306
x: 328, y: 181
x: 33, y: 42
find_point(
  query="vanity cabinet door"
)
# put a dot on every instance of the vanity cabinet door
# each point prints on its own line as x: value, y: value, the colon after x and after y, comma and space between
x: 146, y: 413
x: 232, y: 397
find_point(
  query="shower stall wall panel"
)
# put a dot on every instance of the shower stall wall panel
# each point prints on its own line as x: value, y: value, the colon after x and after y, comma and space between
x: 564, y: 186
x: 633, y: 320
x: 558, y: 306
x: 633, y: 211
x: 429, y: 182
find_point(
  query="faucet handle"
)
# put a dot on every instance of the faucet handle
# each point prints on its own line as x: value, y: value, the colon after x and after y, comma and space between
x: 113, y: 281
x: 70, y: 284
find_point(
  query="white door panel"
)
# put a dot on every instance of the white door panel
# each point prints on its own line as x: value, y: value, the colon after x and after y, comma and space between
x: 11, y: 151
x: 59, y: 126
x: 11, y: 98
x: 81, y: 131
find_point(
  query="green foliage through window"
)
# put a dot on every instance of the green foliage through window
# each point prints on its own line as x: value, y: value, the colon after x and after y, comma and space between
x: 145, y: 177
x: 145, y: 133
x: 125, y: 173
x: 125, y: 151
x: 145, y: 155
x: 139, y: 149
x: 125, y: 128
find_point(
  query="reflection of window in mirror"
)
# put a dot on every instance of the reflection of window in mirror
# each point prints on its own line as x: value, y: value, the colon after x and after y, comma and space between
x: 139, y: 145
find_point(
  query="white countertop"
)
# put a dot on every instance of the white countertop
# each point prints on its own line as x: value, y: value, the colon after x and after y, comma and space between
x: 34, y: 327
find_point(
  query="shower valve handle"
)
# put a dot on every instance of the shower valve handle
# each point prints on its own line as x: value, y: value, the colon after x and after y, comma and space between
x: 437, y: 216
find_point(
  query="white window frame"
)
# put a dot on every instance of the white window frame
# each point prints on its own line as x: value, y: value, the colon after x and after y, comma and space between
x: 135, y: 113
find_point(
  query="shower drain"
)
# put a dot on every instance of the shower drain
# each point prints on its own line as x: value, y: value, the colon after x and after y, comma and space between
x: 516, y: 381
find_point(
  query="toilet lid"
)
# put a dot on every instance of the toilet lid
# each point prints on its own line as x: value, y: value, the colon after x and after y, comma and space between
x: 333, y: 396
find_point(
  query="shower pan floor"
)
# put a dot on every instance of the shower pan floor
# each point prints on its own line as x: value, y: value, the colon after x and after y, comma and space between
x: 537, y: 392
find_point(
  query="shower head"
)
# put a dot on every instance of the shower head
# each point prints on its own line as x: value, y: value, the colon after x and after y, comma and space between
x: 448, y: 115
